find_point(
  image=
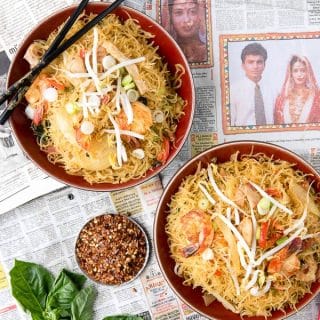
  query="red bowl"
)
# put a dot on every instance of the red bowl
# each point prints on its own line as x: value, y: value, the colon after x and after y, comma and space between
x: 222, y: 152
x: 168, y: 49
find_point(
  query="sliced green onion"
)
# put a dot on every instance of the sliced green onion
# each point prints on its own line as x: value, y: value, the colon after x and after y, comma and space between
x: 158, y: 116
x: 129, y: 86
x: 203, y: 204
x: 133, y: 95
x: 263, y: 206
x: 281, y: 240
x: 72, y: 107
x: 126, y: 80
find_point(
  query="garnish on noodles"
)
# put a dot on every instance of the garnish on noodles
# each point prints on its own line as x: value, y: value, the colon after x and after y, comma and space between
x: 106, y: 109
x: 247, y: 232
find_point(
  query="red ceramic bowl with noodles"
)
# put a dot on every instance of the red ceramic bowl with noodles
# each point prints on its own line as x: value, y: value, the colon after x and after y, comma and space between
x: 237, y: 232
x: 106, y: 113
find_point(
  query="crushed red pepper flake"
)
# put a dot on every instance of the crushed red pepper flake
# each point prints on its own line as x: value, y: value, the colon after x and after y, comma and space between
x: 111, y: 249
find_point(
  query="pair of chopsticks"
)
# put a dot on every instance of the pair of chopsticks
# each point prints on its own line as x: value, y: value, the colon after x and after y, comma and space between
x: 17, y: 91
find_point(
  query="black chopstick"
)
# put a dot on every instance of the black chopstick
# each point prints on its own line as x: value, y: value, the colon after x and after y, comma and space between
x: 19, y: 88
x: 26, y: 79
x: 29, y: 77
x: 56, y: 42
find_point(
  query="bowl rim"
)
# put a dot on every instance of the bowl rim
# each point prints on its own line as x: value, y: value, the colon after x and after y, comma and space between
x: 196, y: 158
x: 147, y: 255
x: 109, y: 187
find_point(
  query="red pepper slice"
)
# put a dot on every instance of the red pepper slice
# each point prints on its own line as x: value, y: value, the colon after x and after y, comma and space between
x: 274, y: 192
x: 38, y: 114
x: 263, y: 234
x: 82, y: 53
x: 55, y: 84
x: 164, y: 153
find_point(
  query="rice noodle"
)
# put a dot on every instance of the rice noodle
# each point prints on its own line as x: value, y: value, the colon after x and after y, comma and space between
x: 248, y: 270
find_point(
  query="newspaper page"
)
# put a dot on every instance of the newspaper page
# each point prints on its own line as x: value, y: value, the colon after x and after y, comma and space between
x: 284, y: 28
x: 44, y: 231
x: 226, y: 107
x: 20, y: 180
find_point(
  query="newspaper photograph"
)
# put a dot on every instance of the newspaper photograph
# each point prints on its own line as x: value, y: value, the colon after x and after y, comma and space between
x: 229, y: 45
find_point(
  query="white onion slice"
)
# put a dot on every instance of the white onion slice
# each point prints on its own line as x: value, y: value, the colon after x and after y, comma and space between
x: 87, y: 127
x: 138, y: 153
x: 50, y: 94
x: 29, y: 111
x: 108, y: 62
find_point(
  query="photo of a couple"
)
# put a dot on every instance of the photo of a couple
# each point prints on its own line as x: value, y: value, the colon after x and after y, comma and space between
x: 288, y: 95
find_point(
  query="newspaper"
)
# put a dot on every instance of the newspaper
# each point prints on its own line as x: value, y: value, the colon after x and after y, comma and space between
x: 45, y: 230
x: 283, y: 28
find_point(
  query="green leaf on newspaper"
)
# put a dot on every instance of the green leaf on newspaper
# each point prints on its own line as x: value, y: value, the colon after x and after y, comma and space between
x: 30, y: 285
x: 46, y: 298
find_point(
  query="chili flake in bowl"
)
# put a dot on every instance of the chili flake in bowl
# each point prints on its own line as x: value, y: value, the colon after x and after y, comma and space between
x: 112, y: 249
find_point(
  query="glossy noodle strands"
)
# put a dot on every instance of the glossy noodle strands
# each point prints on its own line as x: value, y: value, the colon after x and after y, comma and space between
x: 104, y: 90
x: 258, y: 263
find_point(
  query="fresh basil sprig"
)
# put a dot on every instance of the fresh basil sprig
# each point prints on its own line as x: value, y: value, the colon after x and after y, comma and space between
x: 46, y: 298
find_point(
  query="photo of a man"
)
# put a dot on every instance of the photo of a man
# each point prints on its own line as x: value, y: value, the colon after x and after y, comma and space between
x: 186, y: 22
x: 250, y: 100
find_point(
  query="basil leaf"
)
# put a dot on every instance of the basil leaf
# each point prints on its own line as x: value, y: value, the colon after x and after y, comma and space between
x: 122, y: 317
x: 55, y: 314
x: 82, y: 305
x: 64, y: 290
x: 30, y: 285
x: 77, y: 278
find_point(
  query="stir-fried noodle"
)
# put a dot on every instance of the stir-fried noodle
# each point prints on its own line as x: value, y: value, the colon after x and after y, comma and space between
x: 106, y: 109
x: 247, y: 232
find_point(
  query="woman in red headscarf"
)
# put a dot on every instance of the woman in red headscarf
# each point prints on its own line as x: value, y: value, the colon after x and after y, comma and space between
x: 299, y: 100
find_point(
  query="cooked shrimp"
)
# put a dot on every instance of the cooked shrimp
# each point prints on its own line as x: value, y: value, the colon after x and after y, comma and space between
x: 290, y: 265
x: 198, y: 230
x: 97, y: 151
x: 276, y: 262
x: 308, y: 271
x: 34, y: 93
x: 142, y: 119
x: 76, y: 65
x: 66, y: 123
